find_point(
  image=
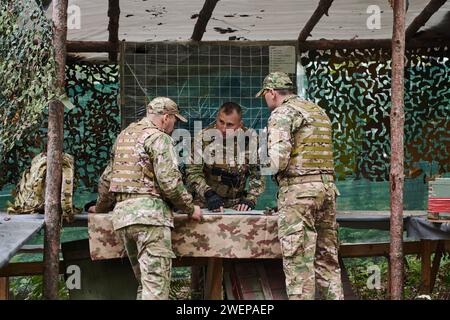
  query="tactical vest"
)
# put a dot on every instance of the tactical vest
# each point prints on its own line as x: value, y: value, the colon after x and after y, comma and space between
x: 227, y: 179
x: 132, y: 170
x: 30, y: 192
x: 312, y: 145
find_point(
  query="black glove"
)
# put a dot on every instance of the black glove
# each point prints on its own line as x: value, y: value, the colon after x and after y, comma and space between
x: 214, y: 201
x: 89, y: 204
x: 249, y: 203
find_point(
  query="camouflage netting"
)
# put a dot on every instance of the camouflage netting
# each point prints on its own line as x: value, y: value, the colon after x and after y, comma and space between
x: 90, y: 127
x: 354, y: 87
x: 27, y: 69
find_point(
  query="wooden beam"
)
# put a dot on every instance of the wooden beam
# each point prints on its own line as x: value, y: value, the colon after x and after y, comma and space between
x: 203, y: 18
x: 4, y: 288
x: 214, y: 277
x: 189, y: 261
x: 381, y: 249
x: 92, y: 46
x: 322, y: 9
x: 113, y: 26
x: 369, y: 44
x: 18, y: 269
x: 396, y: 176
x: 423, y: 17
x: 54, y: 157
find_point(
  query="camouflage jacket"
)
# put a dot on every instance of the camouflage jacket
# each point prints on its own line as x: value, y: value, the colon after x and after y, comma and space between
x: 300, y: 142
x: 132, y: 208
x: 228, y: 177
x: 30, y: 192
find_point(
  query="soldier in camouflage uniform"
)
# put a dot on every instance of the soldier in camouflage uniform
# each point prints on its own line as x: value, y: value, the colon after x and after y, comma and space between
x: 30, y: 191
x: 144, y: 182
x: 300, y: 150
x: 222, y: 184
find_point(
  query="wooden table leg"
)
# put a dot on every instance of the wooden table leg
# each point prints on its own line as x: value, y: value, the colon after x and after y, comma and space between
x: 4, y: 288
x: 426, y: 266
x: 196, y: 274
x: 436, y: 263
x: 214, y: 277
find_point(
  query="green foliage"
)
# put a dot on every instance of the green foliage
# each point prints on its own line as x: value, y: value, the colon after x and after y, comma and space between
x: 358, y: 273
x: 180, y: 289
x: 27, y: 67
x: 30, y: 288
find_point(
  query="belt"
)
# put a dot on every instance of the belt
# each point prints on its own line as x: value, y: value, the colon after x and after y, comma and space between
x: 324, y: 178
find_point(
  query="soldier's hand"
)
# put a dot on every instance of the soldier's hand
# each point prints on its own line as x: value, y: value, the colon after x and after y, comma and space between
x: 90, y: 206
x: 197, y: 215
x: 244, y: 205
x: 214, y: 201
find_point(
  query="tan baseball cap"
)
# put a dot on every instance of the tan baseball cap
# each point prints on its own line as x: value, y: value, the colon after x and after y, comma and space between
x: 163, y: 105
x: 276, y: 80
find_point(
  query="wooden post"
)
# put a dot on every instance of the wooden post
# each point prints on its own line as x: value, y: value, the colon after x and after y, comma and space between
x: 423, y: 17
x: 92, y: 46
x: 397, y: 119
x: 113, y: 26
x: 322, y: 8
x: 214, y: 278
x: 4, y: 288
x: 426, y: 267
x: 54, y: 157
x: 203, y: 18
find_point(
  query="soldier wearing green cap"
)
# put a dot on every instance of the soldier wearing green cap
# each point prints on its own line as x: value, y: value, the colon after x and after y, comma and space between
x: 300, y: 150
x: 142, y: 183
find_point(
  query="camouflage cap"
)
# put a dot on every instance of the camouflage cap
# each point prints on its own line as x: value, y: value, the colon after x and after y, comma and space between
x: 163, y: 105
x: 276, y: 80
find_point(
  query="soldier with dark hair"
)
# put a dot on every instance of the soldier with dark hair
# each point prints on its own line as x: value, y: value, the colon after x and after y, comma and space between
x: 217, y: 180
x: 142, y: 183
x: 300, y: 150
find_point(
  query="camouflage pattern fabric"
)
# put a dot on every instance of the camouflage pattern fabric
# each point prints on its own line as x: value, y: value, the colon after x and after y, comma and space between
x: 149, y: 250
x: 132, y: 208
x: 200, y: 177
x: 30, y: 192
x: 144, y: 179
x: 276, y: 80
x: 133, y: 170
x: 308, y: 237
x: 218, y: 235
x: 307, y: 226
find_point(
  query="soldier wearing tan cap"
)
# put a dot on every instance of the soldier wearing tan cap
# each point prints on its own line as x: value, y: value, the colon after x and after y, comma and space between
x: 144, y: 183
x: 300, y: 149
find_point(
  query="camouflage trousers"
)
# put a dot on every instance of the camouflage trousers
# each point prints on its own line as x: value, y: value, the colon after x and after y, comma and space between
x: 149, y: 249
x: 307, y: 230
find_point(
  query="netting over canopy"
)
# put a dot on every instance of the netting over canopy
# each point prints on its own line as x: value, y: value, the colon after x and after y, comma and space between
x: 27, y: 69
